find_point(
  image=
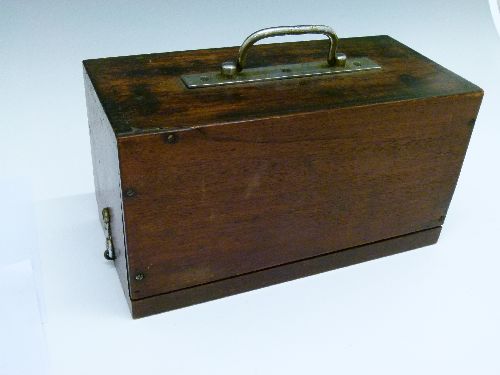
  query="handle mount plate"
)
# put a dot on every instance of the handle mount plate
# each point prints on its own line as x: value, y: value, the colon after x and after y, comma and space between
x: 277, y: 72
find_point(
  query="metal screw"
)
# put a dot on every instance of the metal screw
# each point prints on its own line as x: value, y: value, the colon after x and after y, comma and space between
x: 472, y: 122
x: 171, y: 138
x: 130, y: 193
x: 139, y: 276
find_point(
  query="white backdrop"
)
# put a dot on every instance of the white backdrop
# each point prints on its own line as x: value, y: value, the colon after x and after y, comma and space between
x: 435, y: 310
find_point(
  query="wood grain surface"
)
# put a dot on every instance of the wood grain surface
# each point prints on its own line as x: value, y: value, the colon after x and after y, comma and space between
x: 291, y: 271
x: 232, y: 199
x: 107, y: 178
x: 145, y: 93
x: 221, y: 182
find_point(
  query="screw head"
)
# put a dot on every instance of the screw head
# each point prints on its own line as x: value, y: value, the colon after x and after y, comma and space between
x: 139, y: 276
x: 472, y: 122
x: 171, y: 138
x: 130, y: 192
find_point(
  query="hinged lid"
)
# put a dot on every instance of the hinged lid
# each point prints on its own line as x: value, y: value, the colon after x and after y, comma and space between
x: 146, y: 93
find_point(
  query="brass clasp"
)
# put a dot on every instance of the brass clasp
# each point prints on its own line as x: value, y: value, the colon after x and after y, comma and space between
x: 109, y: 253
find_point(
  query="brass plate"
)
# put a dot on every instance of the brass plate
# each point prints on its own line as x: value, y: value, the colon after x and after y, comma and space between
x: 276, y: 72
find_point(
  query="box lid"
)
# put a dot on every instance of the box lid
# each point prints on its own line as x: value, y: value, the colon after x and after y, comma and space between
x: 145, y: 93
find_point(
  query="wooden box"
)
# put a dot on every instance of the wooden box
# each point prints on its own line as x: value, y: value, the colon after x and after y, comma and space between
x: 212, y: 191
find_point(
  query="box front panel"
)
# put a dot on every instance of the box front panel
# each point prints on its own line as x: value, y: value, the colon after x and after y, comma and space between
x: 231, y: 199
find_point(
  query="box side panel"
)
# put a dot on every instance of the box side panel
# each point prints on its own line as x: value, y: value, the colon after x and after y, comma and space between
x: 107, y: 177
x: 232, y: 199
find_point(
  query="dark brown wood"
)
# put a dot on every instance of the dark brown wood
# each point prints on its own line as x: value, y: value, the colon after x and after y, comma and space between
x: 107, y: 177
x: 144, y: 92
x: 287, y: 272
x: 228, y: 200
x: 229, y: 181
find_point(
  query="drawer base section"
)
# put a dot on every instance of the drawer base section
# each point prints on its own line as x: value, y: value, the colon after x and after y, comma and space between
x: 286, y: 272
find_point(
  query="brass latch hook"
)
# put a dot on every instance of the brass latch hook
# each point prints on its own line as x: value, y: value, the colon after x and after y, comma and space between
x: 109, y: 253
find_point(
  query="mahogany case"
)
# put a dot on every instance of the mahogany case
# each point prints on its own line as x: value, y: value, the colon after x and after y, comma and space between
x: 218, y: 190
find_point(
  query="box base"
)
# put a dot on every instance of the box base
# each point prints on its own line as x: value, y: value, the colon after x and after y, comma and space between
x: 286, y: 272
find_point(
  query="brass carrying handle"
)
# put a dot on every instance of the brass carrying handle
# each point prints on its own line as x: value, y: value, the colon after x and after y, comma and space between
x: 231, y: 68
